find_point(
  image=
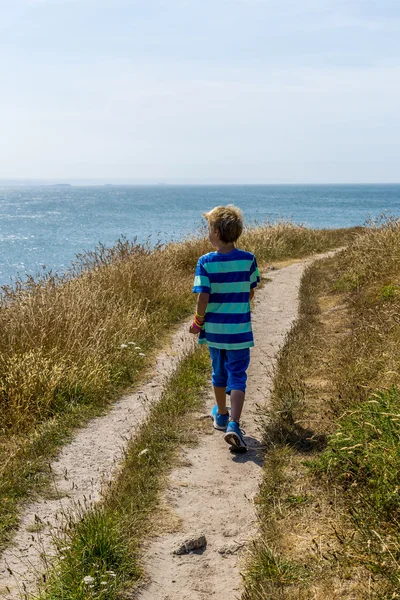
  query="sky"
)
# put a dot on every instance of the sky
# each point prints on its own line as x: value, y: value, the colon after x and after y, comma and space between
x: 200, y: 91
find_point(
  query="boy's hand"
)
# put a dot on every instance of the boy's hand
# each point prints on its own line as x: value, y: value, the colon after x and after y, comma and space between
x: 194, y: 330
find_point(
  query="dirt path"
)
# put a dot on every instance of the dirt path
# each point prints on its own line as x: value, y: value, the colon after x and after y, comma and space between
x: 213, y: 492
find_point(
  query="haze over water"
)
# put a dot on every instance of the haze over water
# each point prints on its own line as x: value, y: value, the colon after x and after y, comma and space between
x: 49, y: 225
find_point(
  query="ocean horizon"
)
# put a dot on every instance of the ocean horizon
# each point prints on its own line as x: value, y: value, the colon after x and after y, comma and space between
x: 44, y: 226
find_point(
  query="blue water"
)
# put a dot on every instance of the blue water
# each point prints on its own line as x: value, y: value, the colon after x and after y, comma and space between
x: 45, y: 227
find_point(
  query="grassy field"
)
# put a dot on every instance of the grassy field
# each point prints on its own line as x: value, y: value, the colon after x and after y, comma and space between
x: 70, y: 346
x: 329, y: 503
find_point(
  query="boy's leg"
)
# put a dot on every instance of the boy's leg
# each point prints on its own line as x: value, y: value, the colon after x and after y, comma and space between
x: 220, y: 397
x: 237, y: 401
x: 237, y: 363
x: 219, y: 380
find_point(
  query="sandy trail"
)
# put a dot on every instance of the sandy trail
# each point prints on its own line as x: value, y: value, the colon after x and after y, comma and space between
x: 82, y: 469
x: 213, y: 492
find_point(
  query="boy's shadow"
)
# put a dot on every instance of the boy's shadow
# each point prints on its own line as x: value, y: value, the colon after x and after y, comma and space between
x: 302, y: 439
x: 255, y: 452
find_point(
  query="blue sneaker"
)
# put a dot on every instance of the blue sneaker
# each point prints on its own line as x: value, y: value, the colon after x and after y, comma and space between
x: 234, y: 437
x: 220, y: 421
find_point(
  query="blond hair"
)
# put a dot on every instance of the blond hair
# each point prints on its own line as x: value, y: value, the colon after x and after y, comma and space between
x: 227, y: 220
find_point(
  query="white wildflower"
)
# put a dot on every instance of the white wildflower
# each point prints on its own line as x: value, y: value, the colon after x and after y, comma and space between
x: 124, y: 345
x: 111, y: 573
x: 131, y: 343
x: 88, y: 580
x: 137, y: 348
x: 103, y: 582
x: 145, y: 451
x: 142, y: 354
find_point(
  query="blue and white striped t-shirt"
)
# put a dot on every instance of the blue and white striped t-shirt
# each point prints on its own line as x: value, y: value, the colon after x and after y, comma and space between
x: 228, y: 278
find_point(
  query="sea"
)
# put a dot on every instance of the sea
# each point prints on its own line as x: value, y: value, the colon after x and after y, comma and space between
x: 44, y: 227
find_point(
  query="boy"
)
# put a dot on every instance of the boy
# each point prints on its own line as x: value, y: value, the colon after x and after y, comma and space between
x: 225, y: 281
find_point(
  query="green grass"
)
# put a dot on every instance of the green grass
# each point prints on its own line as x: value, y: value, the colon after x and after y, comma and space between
x: 298, y: 499
x: 389, y: 291
x: 363, y: 456
x: 103, y: 543
x: 365, y: 450
x: 270, y: 573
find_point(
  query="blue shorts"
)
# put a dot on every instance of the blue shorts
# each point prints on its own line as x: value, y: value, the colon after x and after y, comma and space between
x: 229, y: 368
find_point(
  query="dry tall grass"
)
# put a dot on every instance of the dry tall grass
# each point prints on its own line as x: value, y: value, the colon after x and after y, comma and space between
x: 76, y: 340
x: 369, y: 273
x: 73, y: 342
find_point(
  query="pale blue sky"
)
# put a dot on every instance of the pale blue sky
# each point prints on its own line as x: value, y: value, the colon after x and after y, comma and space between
x: 200, y: 90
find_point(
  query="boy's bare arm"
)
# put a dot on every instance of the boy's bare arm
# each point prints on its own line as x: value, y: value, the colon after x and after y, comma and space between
x: 202, y: 301
x: 251, y: 293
